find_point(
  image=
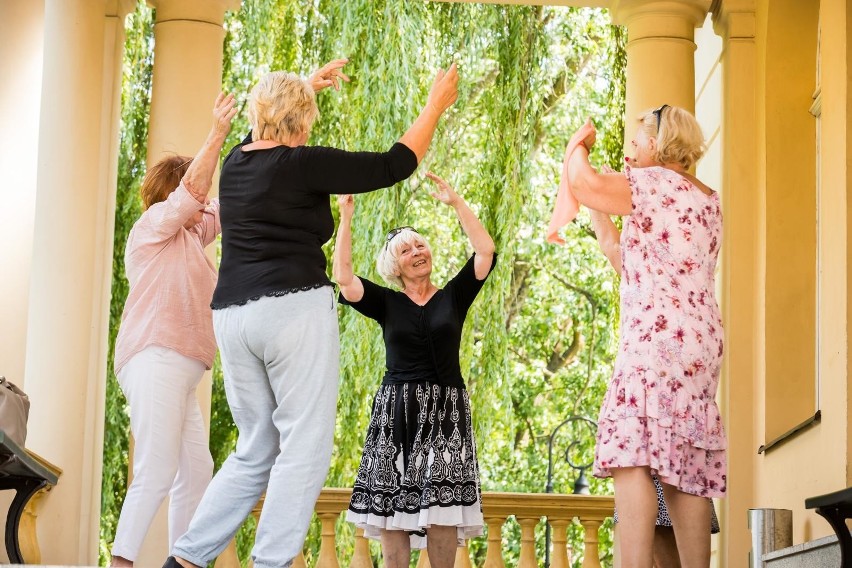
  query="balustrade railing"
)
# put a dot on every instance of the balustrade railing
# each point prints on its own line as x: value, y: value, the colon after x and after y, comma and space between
x: 529, y: 509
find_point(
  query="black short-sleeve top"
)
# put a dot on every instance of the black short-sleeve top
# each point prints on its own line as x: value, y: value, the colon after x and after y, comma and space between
x: 276, y: 215
x: 422, y: 342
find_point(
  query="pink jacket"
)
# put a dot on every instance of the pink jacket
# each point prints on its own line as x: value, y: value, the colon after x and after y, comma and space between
x: 171, y: 281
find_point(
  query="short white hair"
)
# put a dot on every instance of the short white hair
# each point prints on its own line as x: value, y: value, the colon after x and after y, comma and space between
x: 387, y: 263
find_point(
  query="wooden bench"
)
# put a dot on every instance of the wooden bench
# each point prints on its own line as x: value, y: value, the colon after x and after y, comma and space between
x: 836, y: 508
x: 29, y: 475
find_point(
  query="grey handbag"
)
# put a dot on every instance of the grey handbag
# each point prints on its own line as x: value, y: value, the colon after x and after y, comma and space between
x: 14, y: 410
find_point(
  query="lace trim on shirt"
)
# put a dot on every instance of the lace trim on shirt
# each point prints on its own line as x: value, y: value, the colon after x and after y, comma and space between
x: 273, y: 294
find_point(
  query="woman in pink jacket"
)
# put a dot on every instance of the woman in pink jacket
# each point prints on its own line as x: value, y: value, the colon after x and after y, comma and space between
x: 166, y: 340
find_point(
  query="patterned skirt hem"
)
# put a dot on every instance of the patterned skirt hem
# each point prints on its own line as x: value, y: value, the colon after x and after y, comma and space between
x: 466, y: 518
x: 643, y: 441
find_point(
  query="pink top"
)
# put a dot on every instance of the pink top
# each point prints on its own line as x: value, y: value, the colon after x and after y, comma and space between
x: 171, y: 281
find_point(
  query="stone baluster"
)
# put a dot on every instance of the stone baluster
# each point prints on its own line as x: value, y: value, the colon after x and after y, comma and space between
x: 328, y: 547
x: 591, y: 558
x: 494, y: 555
x: 361, y: 557
x: 559, y: 556
x: 528, y: 559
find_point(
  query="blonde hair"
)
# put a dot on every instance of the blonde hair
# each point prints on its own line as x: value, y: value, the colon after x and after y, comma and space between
x: 679, y: 138
x: 387, y: 263
x: 163, y: 178
x: 281, y: 105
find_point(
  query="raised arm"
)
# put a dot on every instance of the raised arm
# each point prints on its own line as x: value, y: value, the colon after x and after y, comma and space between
x: 609, y: 238
x: 350, y: 285
x: 483, y: 244
x: 442, y: 95
x: 199, y: 176
x: 604, y: 192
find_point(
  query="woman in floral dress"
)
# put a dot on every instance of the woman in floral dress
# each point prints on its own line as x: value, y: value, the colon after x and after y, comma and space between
x: 659, y: 416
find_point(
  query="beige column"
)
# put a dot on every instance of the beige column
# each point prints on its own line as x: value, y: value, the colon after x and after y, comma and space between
x: 660, y: 53
x: 187, y: 75
x: 743, y: 265
x: 21, y: 54
x: 188, y: 37
x: 71, y: 262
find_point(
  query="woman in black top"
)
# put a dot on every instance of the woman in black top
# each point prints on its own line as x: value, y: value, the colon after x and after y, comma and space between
x: 418, y: 475
x: 274, y: 312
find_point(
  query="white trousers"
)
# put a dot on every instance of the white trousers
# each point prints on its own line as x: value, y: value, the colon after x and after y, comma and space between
x: 171, y: 453
x: 280, y: 357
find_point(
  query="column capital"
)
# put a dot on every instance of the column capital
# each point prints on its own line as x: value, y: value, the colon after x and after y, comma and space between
x: 693, y: 12
x: 734, y: 19
x: 211, y: 11
x: 119, y: 8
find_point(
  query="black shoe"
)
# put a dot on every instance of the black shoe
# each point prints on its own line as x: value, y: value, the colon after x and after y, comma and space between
x: 172, y: 563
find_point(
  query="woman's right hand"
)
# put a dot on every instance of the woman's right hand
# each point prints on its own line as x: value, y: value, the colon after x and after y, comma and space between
x: 224, y: 110
x: 444, y: 91
x: 346, y: 204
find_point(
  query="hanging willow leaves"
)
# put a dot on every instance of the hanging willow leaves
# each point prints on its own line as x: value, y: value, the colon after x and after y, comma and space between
x: 540, y: 341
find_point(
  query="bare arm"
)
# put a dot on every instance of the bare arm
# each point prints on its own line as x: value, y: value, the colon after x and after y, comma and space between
x: 608, y: 238
x: 483, y: 244
x: 350, y: 285
x: 443, y: 94
x: 199, y: 176
x: 607, y: 193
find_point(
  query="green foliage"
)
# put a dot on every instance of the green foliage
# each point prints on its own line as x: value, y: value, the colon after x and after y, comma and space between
x: 540, y: 342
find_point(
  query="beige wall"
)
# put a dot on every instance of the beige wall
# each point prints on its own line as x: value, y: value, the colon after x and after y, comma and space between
x: 781, y: 480
x: 772, y: 203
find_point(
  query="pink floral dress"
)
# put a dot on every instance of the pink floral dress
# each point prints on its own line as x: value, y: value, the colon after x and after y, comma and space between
x: 660, y: 409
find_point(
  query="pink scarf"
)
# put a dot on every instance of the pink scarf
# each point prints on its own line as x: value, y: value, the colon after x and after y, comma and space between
x: 567, y: 206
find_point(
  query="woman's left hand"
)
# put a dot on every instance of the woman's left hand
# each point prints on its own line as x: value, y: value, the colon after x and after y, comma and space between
x: 445, y: 193
x: 329, y: 75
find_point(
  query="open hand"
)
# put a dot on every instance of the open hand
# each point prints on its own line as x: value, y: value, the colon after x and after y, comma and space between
x: 346, y: 204
x: 444, y: 91
x: 444, y: 193
x: 224, y: 109
x: 329, y: 75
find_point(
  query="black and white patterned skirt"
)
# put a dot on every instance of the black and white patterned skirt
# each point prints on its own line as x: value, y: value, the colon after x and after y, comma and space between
x: 419, y: 464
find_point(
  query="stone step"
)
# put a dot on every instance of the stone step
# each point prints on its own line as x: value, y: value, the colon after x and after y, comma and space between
x: 820, y: 553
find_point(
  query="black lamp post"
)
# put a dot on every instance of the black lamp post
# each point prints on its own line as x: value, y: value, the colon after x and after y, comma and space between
x: 581, y: 484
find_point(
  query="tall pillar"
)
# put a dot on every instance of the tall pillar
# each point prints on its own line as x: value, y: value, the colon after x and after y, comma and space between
x: 743, y: 267
x: 660, y: 54
x: 21, y: 53
x: 68, y: 305
x: 187, y: 76
x: 188, y: 39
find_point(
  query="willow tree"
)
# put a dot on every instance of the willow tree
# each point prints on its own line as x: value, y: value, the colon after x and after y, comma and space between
x: 539, y: 343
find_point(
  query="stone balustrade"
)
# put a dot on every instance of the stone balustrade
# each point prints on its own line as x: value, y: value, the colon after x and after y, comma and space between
x: 529, y: 509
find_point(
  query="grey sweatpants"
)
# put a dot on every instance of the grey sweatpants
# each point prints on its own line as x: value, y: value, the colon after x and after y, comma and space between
x: 280, y: 357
